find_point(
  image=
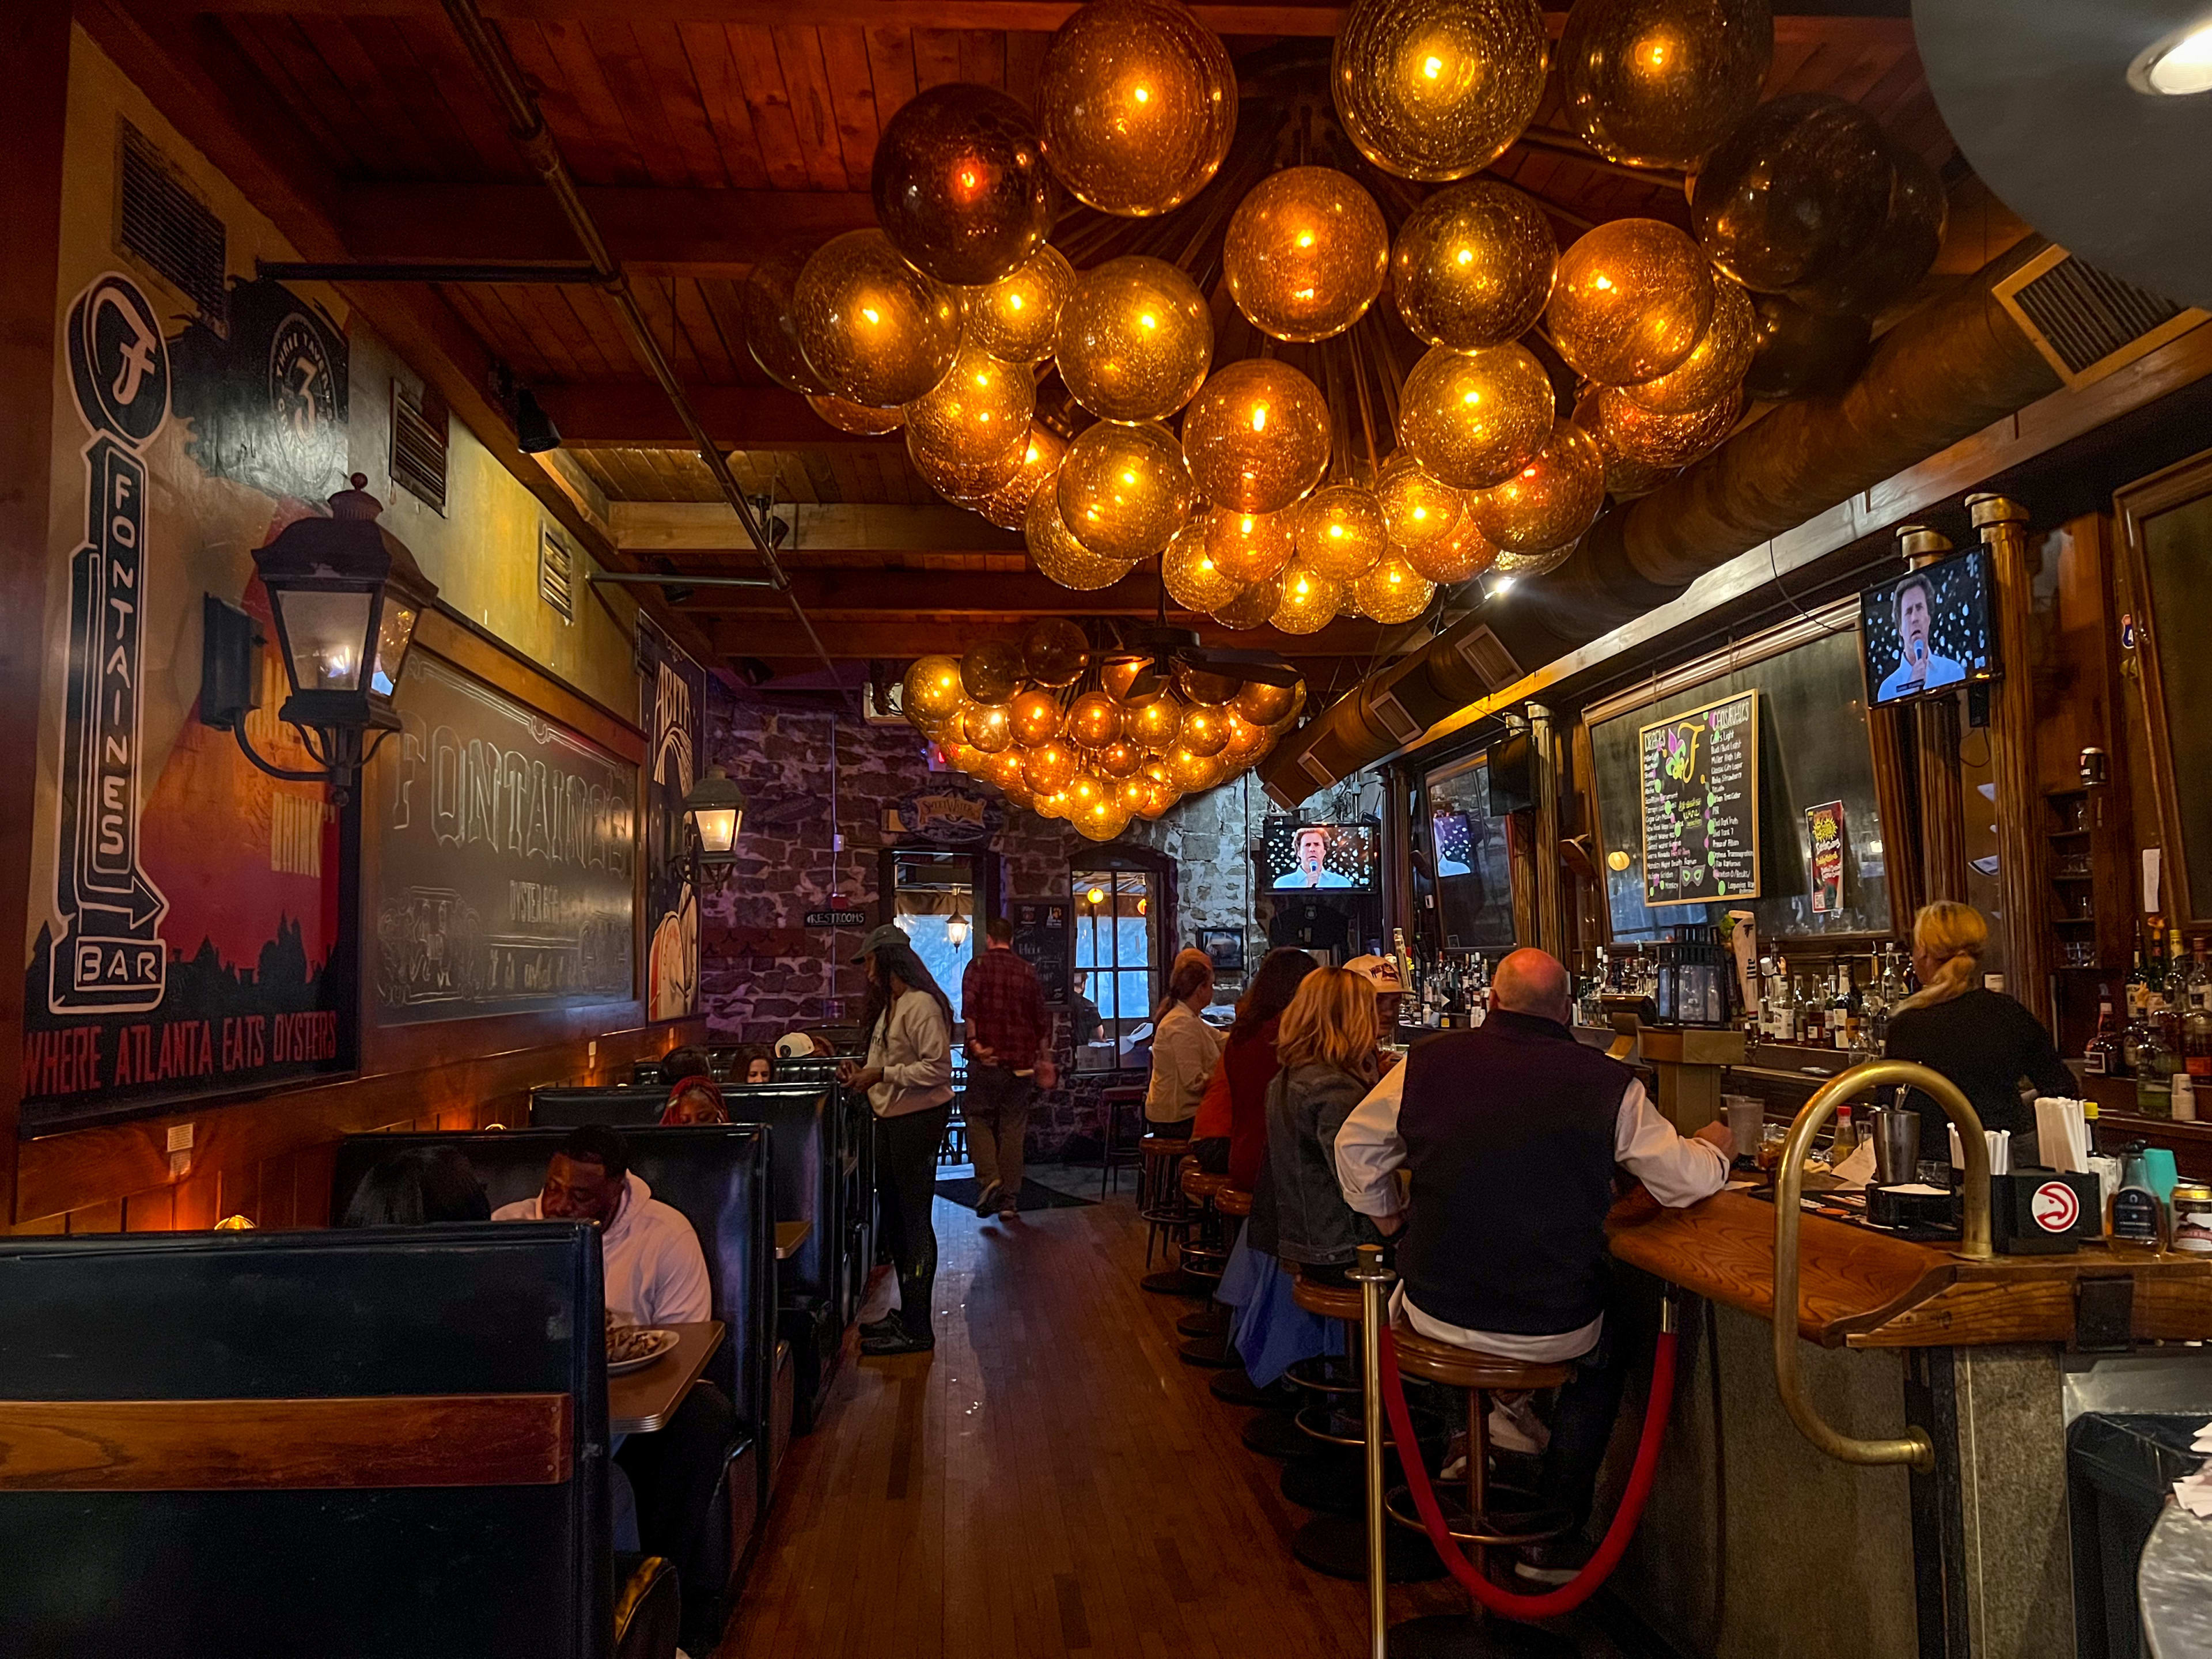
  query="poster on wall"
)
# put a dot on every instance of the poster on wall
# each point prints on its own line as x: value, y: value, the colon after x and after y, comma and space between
x: 505, y: 878
x: 673, y: 711
x: 1043, y: 938
x: 1700, y: 798
x: 1824, y: 827
x: 188, y: 932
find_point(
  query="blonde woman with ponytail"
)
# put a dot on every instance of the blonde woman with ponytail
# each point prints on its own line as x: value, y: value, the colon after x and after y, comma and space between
x: 1980, y: 1039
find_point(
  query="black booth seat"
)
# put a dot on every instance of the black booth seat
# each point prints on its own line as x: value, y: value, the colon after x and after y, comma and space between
x: 388, y: 1443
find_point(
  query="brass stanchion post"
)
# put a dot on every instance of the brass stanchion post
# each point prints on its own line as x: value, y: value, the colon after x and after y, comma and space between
x: 1373, y: 1277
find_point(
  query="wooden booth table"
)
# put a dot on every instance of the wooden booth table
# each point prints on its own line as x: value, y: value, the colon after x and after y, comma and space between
x: 640, y: 1401
x: 1757, y: 1545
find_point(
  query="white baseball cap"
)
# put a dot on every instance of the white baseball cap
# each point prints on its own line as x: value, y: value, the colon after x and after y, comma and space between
x: 1380, y: 972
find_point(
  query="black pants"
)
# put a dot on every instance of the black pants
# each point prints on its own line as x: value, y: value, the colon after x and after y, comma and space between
x: 1582, y: 1426
x: 1178, y: 1130
x: 906, y: 1188
x: 674, y: 1470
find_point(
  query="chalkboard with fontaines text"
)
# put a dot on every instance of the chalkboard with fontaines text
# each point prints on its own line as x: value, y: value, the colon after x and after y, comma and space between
x: 1701, y: 800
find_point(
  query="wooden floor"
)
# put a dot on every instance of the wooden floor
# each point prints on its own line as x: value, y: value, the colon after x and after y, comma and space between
x: 1052, y: 1480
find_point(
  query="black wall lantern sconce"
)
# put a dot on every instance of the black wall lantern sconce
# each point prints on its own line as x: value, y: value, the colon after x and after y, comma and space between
x: 716, y: 810
x: 346, y: 594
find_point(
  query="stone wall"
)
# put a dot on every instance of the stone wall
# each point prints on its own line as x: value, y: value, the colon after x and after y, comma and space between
x: 763, y: 972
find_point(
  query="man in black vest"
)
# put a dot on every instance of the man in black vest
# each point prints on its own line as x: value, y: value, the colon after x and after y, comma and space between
x: 1509, y: 1135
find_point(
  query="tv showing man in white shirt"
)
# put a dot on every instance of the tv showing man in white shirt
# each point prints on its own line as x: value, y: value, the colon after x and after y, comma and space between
x: 1919, y: 669
x: 1311, y: 868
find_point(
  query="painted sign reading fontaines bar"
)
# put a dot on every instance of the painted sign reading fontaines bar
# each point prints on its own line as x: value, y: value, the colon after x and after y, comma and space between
x: 506, y: 846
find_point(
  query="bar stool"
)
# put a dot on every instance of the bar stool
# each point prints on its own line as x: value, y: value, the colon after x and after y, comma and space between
x: 1209, y: 1329
x: 1205, y: 1260
x: 1481, y: 1520
x: 1162, y: 1207
x: 1114, y: 1156
x: 1334, y: 1480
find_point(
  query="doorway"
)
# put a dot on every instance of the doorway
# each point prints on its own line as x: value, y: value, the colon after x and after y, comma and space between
x: 1124, y: 939
x: 940, y: 900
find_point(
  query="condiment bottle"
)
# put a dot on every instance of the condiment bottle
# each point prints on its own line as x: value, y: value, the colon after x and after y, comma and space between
x: 2137, y: 1216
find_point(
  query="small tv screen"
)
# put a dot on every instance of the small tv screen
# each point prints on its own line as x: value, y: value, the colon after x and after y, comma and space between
x: 1929, y: 630
x: 1305, y: 858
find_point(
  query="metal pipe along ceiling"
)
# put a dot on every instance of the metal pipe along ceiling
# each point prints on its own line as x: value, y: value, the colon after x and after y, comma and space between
x: 526, y: 126
x: 1944, y: 374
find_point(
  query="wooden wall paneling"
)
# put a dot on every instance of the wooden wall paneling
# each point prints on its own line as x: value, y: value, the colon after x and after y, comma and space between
x: 153, y: 1211
x: 34, y: 52
x: 106, y: 1216
x: 983, y: 56
x: 1942, y: 804
x: 2021, y: 814
x: 1024, y: 57
x: 1889, y: 737
x: 844, y: 51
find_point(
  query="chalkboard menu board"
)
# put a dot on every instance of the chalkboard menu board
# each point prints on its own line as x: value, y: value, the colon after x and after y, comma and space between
x: 1043, y: 938
x: 1700, y: 772
x: 508, y: 879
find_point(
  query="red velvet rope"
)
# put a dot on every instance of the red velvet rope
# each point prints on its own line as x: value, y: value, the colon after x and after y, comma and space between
x: 1579, y: 1590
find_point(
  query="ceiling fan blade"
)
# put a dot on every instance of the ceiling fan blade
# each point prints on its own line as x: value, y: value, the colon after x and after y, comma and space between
x: 1263, y: 667
x: 1145, y: 684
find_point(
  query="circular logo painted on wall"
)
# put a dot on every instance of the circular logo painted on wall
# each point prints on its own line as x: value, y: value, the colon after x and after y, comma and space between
x: 118, y: 361
x: 2055, y: 1207
x: 303, y: 394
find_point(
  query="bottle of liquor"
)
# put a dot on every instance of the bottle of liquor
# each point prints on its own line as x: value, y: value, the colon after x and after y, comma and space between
x: 1812, y: 1015
x: 2107, y: 1053
x: 2198, y: 986
x: 1839, y: 1007
x: 2137, y: 986
x: 1781, y: 1008
x: 2197, y: 1041
x: 1873, y: 1009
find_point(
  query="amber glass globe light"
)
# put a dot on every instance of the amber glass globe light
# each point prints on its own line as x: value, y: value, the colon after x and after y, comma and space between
x: 1473, y: 419
x: 1159, y: 798
x: 1202, y: 685
x: 966, y: 478
x: 1550, y: 502
x: 1474, y: 265
x: 1393, y: 592
x: 1094, y: 719
x: 1250, y: 547
x: 1017, y: 318
x: 980, y: 408
x: 960, y: 183
x: 848, y: 416
x: 1123, y: 490
x: 764, y: 305
x: 1008, y: 506
x: 1662, y: 441
x: 1049, y: 768
x: 1257, y: 437
x: 1246, y: 740
x: 1056, y: 553
x: 1264, y: 705
x: 1004, y: 769
x: 1054, y: 651
x: 1341, y: 533
x: 1632, y: 298
x: 991, y: 670
x: 1136, y: 103
x: 1135, y: 339
x: 1037, y: 717
x: 1102, y: 819
x: 1523, y: 567
x: 931, y: 692
x: 877, y: 330
x: 1437, y: 89
x: 1253, y: 605
x: 1205, y: 731
x: 1306, y: 253
x: 1190, y: 573
x: 1658, y: 83
x: 1154, y: 726
x: 1310, y: 600
x: 1461, y: 556
x: 1120, y: 759
x: 1716, y: 365
x: 1416, y: 509
x: 1191, y: 770
x: 989, y: 726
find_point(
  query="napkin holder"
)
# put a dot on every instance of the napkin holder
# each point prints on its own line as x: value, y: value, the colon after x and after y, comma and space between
x: 2045, y: 1212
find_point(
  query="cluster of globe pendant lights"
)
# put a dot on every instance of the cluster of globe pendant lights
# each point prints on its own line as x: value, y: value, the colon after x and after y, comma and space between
x: 1094, y: 738
x: 1807, y: 221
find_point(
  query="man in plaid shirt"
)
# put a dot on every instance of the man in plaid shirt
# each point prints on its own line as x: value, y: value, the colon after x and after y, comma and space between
x: 1009, y: 1059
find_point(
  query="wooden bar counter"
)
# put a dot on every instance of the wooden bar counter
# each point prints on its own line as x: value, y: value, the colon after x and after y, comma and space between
x: 1755, y: 1545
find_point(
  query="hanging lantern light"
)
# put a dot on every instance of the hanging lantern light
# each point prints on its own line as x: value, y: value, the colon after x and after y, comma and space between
x: 1474, y: 265
x: 1136, y: 103
x: 1341, y: 533
x: 1801, y: 183
x: 958, y: 184
x: 765, y: 306
x: 1633, y: 299
x: 1049, y: 767
x: 989, y: 727
x: 715, y: 812
x: 1124, y: 490
x: 1154, y: 726
x: 1716, y: 364
x: 1135, y: 338
x: 1056, y: 553
x: 1305, y: 253
x: 1549, y: 503
x: 1449, y: 560
x: 1054, y: 651
x: 1474, y: 419
x: 1417, y: 508
x: 1204, y: 731
x: 1017, y: 318
x: 1036, y: 717
x: 978, y: 410
x: 1437, y: 89
x: 1658, y: 83
x: 1310, y: 600
x: 1392, y: 591
x: 1253, y: 605
x: 876, y: 330
x: 991, y: 670
x: 1093, y: 720
x: 1264, y: 705
x: 1250, y: 547
x: 1190, y: 573
x: 1008, y: 506
x: 856, y: 418
x: 1663, y: 441
x: 1257, y: 437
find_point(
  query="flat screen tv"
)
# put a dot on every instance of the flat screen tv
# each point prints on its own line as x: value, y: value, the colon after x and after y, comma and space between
x: 1306, y: 857
x: 1930, y: 630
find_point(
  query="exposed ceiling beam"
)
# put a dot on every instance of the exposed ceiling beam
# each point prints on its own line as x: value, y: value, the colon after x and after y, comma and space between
x: 774, y: 640
x: 902, y: 596
x: 1239, y: 17
x: 634, y: 413
x: 711, y: 527
x: 650, y: 229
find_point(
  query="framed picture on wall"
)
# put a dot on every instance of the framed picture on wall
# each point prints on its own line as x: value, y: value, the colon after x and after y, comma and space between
x: 1225, y: 949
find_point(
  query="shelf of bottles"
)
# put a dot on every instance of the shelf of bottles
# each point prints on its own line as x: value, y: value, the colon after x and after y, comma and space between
x: 2158, y: 1033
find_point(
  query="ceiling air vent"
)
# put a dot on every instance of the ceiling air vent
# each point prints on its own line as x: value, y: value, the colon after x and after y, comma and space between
x: 557, y: 573
x: 2086, y: 322
x: 162, y: 223
x: 418, y: 447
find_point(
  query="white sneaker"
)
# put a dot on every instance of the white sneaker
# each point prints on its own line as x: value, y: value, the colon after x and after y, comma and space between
x: 1514, y: 1427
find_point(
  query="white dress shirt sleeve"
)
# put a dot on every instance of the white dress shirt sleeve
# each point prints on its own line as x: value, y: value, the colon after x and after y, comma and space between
x: 1368, y: 1150
x: 1678, y: 1170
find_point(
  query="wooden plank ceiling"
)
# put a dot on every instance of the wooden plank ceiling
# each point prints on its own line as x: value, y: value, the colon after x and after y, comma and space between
x: 702, y: 130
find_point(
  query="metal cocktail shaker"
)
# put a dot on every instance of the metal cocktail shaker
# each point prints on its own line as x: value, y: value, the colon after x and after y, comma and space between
x: 1896, y: 1145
